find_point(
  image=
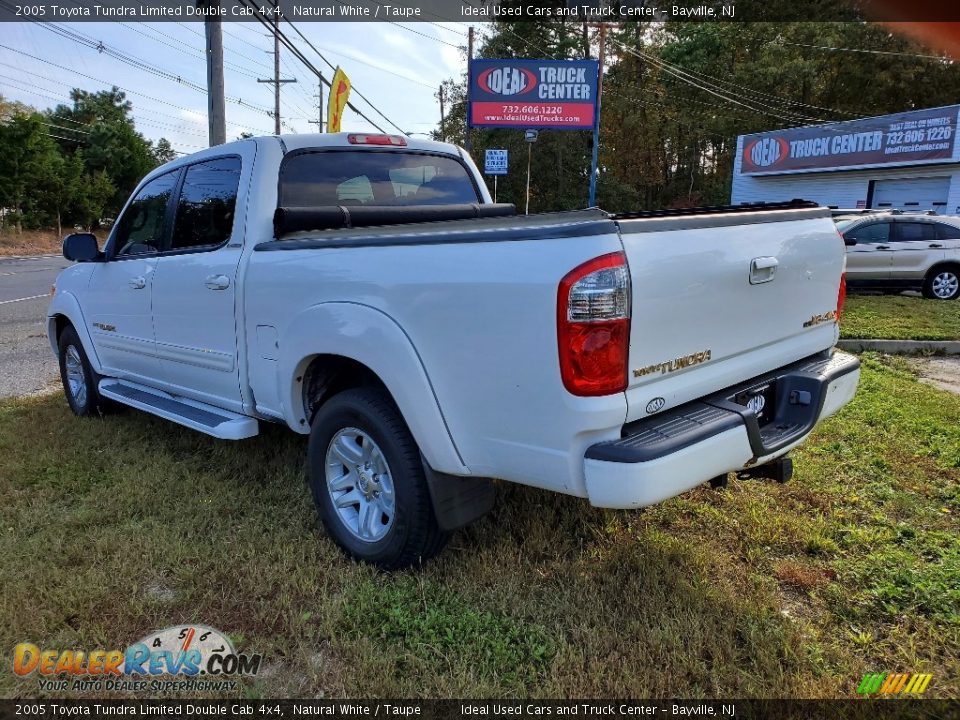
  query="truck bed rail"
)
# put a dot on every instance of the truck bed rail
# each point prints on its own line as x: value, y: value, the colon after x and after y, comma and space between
x: 795, y: 204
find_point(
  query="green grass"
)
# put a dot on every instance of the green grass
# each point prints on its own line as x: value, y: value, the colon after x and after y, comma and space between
x: 112, y: 528
x: 899, y: 317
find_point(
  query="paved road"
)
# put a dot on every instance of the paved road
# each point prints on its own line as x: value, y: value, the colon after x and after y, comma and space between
x: 26, y: 363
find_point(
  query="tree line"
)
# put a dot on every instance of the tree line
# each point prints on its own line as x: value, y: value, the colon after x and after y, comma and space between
x: 72, y: 165
x: 675, y: 97
x: 677, y: 94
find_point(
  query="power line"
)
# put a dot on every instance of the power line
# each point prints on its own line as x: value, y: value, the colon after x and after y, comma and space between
x: 108, y: 84
x: 428, y: 37
x: 332, y: 67
x: 377, y: 67
x: 146, y: 66
x: 137, y: 122
x: 784, y: 102
x: 444, y: 27
x: 135, y: 62
x: 62, y: 98
x: 68, y: 129
x: 58, y: 137
x: 196, y: 52
x: 686, y: 77
x: 918, y: 56
x: 300, y: 56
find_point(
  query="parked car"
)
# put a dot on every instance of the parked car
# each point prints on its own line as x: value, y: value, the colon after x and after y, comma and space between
x: 903, y: 252
x: 365, y: 291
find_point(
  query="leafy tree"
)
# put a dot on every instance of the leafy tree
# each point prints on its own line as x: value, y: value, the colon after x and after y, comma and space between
x: 91, y: 202
x: 9, y: 108
x: 73, y: 164
x: 58, y: 184
x: 164, y: 152
x: 105, y: 137
x: 677, y: 94
x: 27, y: 155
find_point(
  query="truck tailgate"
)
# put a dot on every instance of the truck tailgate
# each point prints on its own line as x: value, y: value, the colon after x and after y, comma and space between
x: 720, y: 298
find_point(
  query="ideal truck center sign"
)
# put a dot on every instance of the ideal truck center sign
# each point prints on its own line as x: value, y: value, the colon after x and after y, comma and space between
x: 919, y: 136
x: 542, y: 94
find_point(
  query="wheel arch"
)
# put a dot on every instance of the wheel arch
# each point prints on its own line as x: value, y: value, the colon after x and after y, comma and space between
x: 942, y: 265
x: 65, y: 310
x: 332, y: 346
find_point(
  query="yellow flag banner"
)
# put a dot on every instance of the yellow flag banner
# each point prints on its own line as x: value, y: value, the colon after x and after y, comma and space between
x: 339, y: 94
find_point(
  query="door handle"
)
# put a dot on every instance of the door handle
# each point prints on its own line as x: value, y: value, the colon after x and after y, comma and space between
x: 217, y: 282
x: 936, y: 245
x: 138, y: 283
x: 762, y: 270
x: 883, y: 247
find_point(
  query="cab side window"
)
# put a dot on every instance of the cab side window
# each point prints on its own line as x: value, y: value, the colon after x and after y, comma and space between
x: 207, y: 204
x: 141, y: 229
x: 871, y: 233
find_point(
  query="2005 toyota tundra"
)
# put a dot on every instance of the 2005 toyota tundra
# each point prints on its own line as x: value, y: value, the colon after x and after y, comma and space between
x: 364, y: 290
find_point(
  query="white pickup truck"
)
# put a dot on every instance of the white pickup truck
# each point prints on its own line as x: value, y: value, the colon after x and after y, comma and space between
x: 365, y: 291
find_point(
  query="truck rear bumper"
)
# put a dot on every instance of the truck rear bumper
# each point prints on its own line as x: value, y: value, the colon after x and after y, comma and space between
x: 667, y: 454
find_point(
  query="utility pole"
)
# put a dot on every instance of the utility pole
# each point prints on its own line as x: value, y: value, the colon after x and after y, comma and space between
x: 526, y: 210
x: 276, y: 81
x: 467, y: 135
x: 319, y: 121
x: 592, y: 201
x: 216, y: 105
x: 443, y: 134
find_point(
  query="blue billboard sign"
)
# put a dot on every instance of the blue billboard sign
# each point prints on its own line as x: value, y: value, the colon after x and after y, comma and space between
x: 540, y: 94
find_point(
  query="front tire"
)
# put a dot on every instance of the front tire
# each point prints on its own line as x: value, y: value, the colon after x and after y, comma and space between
x: 78, y: 378
x: 942, y: 283
x: 368, y: 484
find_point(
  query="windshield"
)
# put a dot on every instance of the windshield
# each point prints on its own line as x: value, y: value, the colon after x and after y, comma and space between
x: 363, y: 177
x: 844, y: 223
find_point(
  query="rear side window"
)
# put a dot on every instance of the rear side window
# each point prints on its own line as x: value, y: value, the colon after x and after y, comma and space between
x: 356, y: 177
x: 916, y: 231
x: 870, y: 233
x: 947, y: 232
x: 207, y: 204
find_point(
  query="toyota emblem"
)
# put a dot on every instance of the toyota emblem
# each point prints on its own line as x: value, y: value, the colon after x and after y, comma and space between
x: 656, y: 405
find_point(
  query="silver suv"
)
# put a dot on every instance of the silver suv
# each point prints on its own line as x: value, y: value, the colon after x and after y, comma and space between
x: 903, y: 252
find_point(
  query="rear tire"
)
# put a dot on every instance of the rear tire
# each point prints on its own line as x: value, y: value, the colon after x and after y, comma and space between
x: 942, y: 283
x: 78, y: 378
x: 368, y: 483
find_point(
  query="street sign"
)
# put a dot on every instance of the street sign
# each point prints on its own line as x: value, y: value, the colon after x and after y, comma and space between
x: 495, y: 162
x: 530, y: 135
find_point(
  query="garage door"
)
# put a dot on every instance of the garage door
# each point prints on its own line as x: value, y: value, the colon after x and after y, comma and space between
x: 928, y: 193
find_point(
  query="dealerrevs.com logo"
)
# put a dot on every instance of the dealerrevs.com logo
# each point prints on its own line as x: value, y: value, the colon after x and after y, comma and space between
x: 181, y: 658
x: 903, y: 684
x: 766, y: 152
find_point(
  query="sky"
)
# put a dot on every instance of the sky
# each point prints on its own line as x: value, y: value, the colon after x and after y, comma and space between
x: 397, y: 67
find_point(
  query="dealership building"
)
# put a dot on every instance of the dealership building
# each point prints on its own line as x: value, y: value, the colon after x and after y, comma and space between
x: 906, y: 161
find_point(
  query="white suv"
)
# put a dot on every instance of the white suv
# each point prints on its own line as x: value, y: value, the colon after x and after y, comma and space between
x: 903, y: 252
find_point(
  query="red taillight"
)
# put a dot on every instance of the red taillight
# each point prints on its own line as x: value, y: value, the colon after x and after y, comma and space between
x: 841, y: 294
x: 593, y: 326
x: 394, y: 140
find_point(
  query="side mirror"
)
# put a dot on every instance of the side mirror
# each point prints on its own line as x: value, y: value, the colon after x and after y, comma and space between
x: 849, y: 241
x: 81, y: 247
